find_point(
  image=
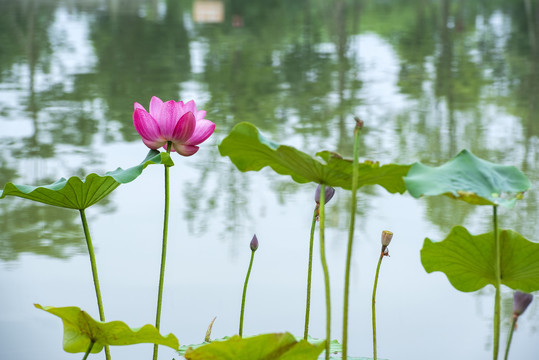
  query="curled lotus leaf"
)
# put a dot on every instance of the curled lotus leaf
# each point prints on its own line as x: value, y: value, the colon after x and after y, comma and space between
x: 469, y: 178
x: 250, y: 151
x: 80, y: 329
x: 469, y: 260
x: 279, y: 346
x: 77, y: 193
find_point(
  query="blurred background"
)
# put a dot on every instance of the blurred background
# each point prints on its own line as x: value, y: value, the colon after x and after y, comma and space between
x: 427, y: 77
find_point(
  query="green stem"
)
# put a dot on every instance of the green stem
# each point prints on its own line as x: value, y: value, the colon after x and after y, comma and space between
x: 325, y: 267
x: 309, y: 275
x: 89, y: 350
x: 163, y: 254
x: 245, y: 292
x: 374, y: 307
x: 353, y: 206
x: 94, y: 272
x: 510, y: 336
x: 497, y: 299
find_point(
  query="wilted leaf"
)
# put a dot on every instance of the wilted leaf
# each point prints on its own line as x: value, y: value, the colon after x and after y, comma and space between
x: 250, y: 151
x: 80, y: 330
x: 469, y: 178
x: 468, y: 260
x: 80, y: 194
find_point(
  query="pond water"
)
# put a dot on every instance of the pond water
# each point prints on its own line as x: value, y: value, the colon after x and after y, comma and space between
x: 428, y: 78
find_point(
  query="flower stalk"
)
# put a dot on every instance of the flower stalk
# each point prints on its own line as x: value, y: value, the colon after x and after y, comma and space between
x: 329, y: 192
x: 163, y: 254
x: 309, y: 274
x: 355, y: 165
x: 94, y: 273
x: 520, y: 304
x: 497, y: 285
x: 325, y: 268
x: 254, y: 247
x: 386, y: 239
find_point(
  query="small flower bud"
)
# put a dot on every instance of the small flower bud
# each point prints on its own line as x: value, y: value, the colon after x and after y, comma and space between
x: 254, y: 243
x: 328, y: 194
x: 386, y: 237
x: 359, y: 123
x: 520, y: 302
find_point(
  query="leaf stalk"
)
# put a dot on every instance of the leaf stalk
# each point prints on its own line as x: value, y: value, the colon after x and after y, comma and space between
x: 94, y: 272
x: 353, y: 206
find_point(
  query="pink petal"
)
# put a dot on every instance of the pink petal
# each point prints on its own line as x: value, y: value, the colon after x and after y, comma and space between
x: 138, y: 106
x: 155, y: 105
x: 147, y: 127
x: 203, y: 131
x: 190, y: 106
x: 200, y: 115
x: 185, y: 150
x: 154, y: 144
x: 167, y: 118
x: 184, y: 128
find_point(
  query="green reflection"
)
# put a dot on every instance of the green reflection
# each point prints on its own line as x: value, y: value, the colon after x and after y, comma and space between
x: 465, y: 75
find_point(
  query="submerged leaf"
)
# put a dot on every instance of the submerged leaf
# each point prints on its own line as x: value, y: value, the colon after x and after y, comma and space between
x: 250, y: 151
x: 281, y: 346
x: 80, y: 330
x: 468, y: 260
x: 80, y: 194
x: 469, y: 178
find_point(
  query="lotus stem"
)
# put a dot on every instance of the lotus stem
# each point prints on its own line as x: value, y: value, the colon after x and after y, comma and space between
x: 163, y: 253
x: 374, y: 307
x: 309, y: 275
x: 94, y: 272
x: 89, y: 350
x: 325, y: 268
x: 355, y: 165
x: 510, y: 336
x: 245, y: 293
x: 497, y: 298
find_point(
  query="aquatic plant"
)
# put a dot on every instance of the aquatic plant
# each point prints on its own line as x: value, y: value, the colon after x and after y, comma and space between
x: 386, y: 239
x: 471, y: 262
x: 250, y: 151
x: 328, y: 195
x: 176, y: 127
x: 79, y: 194
x: 173, y: 124
x: 254, y: 246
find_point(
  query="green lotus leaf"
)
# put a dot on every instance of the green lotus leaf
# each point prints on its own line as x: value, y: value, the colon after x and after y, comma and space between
x: 281, y: 346
x: 80, y: 330
x: 469, y: 178
x: 75, y: 193
x: 250, y: 151
x: 334, y: 345
x: 468, y: 260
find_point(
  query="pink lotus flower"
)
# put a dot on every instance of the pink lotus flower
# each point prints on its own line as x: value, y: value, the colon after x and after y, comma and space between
x: 172, y: 121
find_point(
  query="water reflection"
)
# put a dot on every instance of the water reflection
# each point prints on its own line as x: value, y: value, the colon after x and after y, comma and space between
x: 468, y: 74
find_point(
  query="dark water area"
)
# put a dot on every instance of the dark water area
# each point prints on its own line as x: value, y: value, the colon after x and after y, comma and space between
x: 428, y: 78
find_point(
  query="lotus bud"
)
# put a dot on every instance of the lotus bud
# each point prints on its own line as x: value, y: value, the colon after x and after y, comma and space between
x: 386, y: 239
x: 254, y: 243
x: 328, y: 194
x: 520, y: 302
x: 359, y: 123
